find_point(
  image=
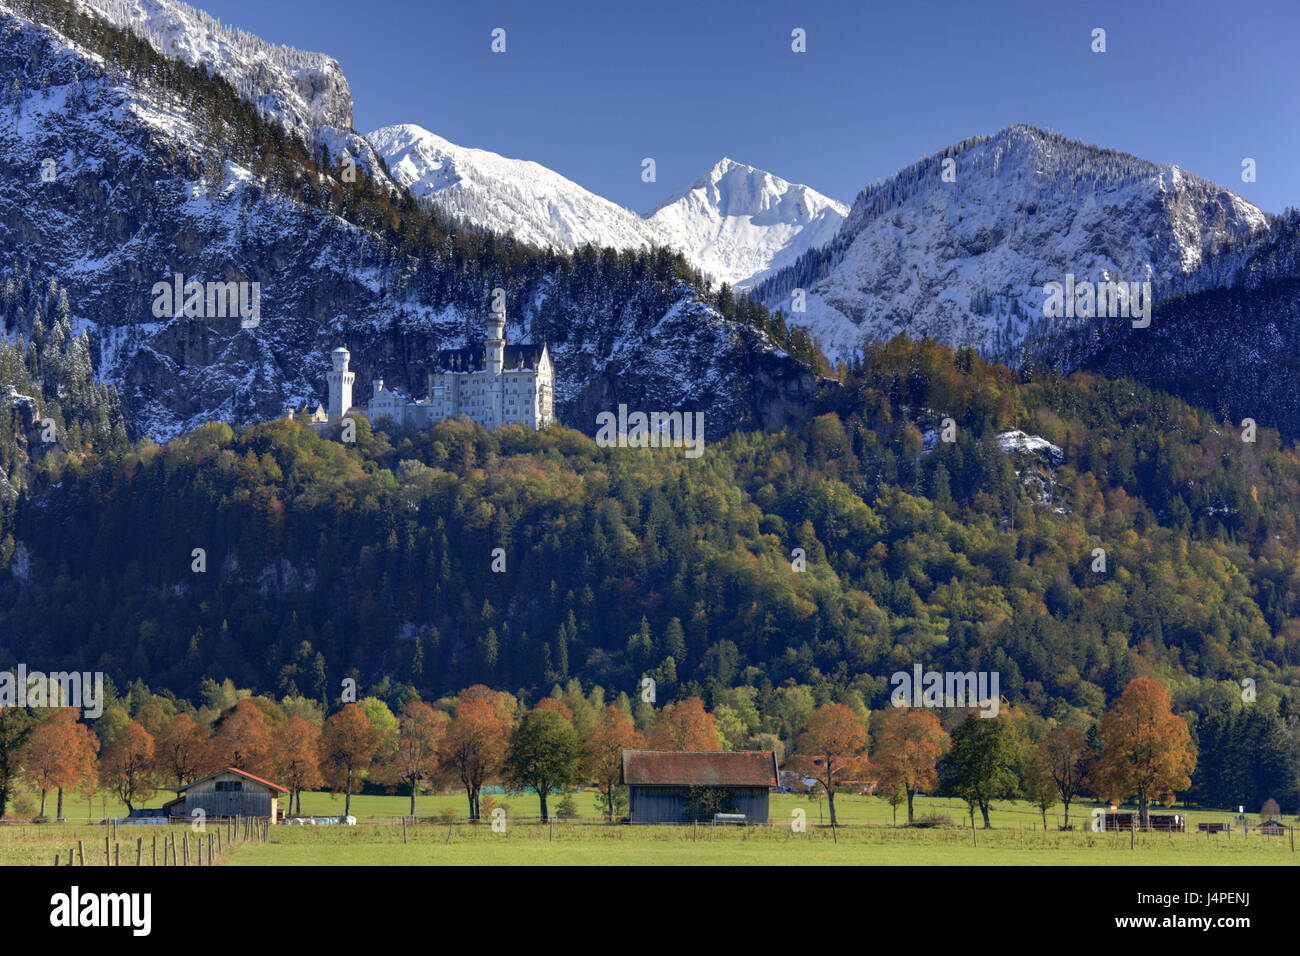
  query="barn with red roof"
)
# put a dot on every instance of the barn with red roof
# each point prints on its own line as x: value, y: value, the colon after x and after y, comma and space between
x: 228, y: 793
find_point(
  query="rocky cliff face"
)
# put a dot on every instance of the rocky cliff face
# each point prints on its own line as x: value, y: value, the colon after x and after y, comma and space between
x: 301, y: 89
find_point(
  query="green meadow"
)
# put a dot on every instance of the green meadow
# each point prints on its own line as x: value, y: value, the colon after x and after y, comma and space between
x: 865, y: 837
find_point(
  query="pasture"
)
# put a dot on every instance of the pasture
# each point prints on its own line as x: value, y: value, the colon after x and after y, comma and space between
x: 865, y: 838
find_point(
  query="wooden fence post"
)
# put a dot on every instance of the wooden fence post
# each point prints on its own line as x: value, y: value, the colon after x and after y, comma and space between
x: 139, y: 849
x: 107, y: 858
x: 117, y: 854
x: 155, y: 850
x: 81, y: 853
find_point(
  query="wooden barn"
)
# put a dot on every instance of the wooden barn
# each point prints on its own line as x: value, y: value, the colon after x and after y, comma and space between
x: 679, y: 786
x: 228, y: 793
x: 1128, y: 820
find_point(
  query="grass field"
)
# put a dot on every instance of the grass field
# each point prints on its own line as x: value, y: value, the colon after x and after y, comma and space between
x: 849, y: 809
x: 865, y: 838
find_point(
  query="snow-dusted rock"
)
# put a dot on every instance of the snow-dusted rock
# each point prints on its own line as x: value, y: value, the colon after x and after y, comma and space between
x: 965, y: 261
x: 1018, y: 441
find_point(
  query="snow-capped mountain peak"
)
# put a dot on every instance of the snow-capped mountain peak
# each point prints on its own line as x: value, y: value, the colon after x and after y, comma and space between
x: 535, y: 204
x: 735, y: 223
x: 959, y: 245
x: 740, y: 224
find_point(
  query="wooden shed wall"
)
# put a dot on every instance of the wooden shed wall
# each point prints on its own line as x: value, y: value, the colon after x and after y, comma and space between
x: 253, y: 800
x: 257, y: 803
x: 668, y: 804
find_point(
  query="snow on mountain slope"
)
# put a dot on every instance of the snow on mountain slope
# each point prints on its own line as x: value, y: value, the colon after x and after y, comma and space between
x: 740, y: 224
x: 302, y: 89
x: 140, y: 193
x: 965, y: 262
x: 306, y: 92
x: 523, y: 198
x: 735, y: 223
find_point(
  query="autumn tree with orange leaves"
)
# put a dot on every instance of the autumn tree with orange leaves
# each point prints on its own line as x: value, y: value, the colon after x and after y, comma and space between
x: 909, y: 744
x: 476, y: 740
x: 420, y: 730
x: 59, y: 754
x: 685, y: 725
x: 614, y: 732
x: 1146, y: 750
x: 347, y: 744
x: 181, y: 750
x: 126, y: 765
x: 835, y: 735
x: 244, y: 740
x: 297, y: 759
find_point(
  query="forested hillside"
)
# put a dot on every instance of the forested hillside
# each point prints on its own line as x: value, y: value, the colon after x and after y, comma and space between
x: 1229, y: 341
x: 322, y: 560
x: 50, y: 402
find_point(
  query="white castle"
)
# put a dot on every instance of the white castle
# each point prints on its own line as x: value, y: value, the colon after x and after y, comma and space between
x: 494, y: 384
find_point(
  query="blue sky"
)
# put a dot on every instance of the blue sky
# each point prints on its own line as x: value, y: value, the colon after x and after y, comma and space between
x: 590, y: 89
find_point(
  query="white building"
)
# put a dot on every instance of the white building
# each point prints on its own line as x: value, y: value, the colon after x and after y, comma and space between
x: 494, y: 384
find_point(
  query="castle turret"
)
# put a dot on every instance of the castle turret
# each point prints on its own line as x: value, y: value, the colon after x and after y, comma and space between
x: 494, y: 345
x: 340, y: 384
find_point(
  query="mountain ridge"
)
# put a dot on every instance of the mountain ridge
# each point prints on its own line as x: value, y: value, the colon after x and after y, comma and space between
x: 971, y: 255
x: 538, y: 205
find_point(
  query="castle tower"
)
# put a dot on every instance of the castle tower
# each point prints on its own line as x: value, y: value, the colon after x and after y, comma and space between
x: 494, y: 354
x: 494, y: 345
x: 340, y: 384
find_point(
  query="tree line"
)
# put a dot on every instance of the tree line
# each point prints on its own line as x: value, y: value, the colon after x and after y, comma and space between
x: 1139, y: 748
